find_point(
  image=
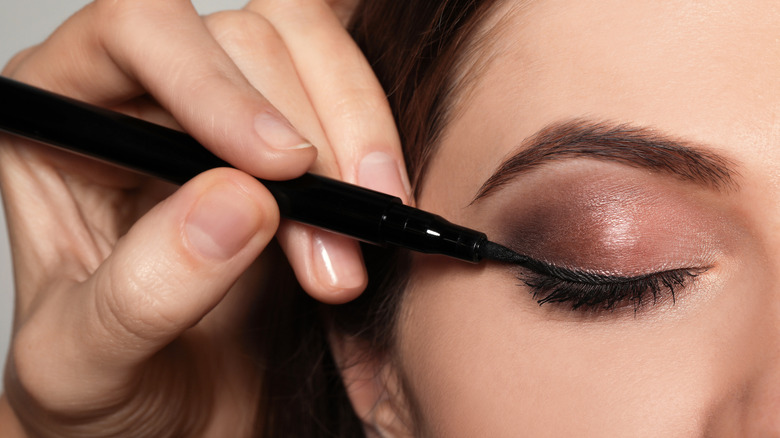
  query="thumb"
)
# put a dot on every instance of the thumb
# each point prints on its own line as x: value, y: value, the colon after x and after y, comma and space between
x: 173, y: 266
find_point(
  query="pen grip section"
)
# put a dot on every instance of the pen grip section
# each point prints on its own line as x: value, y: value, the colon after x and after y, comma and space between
x: 333, y: 205
x: 428, y: 233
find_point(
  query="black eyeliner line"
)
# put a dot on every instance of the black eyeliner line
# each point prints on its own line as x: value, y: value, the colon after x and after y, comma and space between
x: 500, y: 253
x: 596, y: 279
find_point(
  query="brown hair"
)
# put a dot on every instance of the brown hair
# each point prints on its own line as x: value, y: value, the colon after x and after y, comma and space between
x: 415, y: 48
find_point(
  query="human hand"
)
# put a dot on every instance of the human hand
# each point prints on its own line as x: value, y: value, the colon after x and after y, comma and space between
x: 125, y: 319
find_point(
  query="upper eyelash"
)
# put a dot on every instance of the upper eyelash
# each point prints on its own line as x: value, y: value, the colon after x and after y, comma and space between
x: 592, y: 291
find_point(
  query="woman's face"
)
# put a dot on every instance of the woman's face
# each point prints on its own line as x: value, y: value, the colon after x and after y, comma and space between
x: 685, y: 197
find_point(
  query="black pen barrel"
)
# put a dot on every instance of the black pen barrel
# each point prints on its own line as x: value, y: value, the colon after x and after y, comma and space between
x: 429, y: 233
x: 333, y: 205
x: 103, y: 134
x: 176, y: 157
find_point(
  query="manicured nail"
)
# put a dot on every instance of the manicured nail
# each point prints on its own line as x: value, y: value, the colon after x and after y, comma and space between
x: 278, y: 133
x: 336, y: 261
x: 379, y: 171
x: 222, y: 222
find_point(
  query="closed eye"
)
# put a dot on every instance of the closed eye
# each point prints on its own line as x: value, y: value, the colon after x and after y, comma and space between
x: 589, y: 291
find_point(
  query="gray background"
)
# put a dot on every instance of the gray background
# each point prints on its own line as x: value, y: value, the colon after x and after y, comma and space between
x: 24, y: 23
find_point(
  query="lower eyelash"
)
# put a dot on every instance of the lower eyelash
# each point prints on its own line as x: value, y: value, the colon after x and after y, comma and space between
x: 588, y: 291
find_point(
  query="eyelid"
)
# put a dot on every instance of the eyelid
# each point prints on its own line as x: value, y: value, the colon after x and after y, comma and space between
x: 600, y: 216
x: 586, y: 290
x: 586, y: 276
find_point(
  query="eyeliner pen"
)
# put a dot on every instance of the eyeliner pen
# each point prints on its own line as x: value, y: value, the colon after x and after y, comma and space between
x: 174, y: 156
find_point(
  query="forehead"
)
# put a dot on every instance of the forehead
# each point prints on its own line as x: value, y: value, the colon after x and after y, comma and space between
x: 714, y: 52
x: 706, y: 71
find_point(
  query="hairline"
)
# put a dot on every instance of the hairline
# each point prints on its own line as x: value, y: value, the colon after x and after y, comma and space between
x: 479, y: 51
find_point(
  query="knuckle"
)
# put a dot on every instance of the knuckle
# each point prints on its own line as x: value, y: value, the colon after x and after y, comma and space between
x: 356, y: 103
x: 31, y: 374
x: 132, y: 306
x: 114, y: 19
x: 113, y: 11
x: 16, y: 61
x: 289, y: 6
x: 241, y: 28
x: 24, y: 355
x: 125, y: 17
x: 302, y: 12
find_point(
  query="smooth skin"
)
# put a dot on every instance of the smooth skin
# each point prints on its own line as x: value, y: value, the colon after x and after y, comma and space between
x: 131, y: 293
x: 481, y: 358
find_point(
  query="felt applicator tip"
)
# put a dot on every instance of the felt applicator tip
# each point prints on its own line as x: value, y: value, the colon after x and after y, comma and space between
x: 493, y: 251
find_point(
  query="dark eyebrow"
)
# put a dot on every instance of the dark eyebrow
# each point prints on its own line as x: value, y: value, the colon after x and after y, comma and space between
x: 623, y: 143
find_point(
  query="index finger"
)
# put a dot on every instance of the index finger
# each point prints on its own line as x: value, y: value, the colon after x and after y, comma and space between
x: 113, y: 51
x: 344, y: 91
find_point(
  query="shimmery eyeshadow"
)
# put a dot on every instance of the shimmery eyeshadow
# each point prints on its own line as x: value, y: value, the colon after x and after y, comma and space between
x: 621, y: 222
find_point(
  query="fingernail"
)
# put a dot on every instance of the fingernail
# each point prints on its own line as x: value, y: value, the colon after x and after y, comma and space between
x: 336, y: 261
x: 222, y: 222
x: 379, y: 171
x: 278, y: 133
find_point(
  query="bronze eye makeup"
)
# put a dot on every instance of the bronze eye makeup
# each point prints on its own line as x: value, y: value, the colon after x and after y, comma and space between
x: 605, y: 235
x: 613, y: 223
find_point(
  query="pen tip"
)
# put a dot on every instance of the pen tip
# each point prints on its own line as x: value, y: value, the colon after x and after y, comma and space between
x: 493, y: 251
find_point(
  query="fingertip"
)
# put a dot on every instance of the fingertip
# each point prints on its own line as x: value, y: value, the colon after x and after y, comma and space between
x: 278, y: 133
x: 228, y: 213
x: 329, y: 267
x: 284, y: 153
x: 255, y: 138
x: 380, y: 171
x: 338, y: 266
